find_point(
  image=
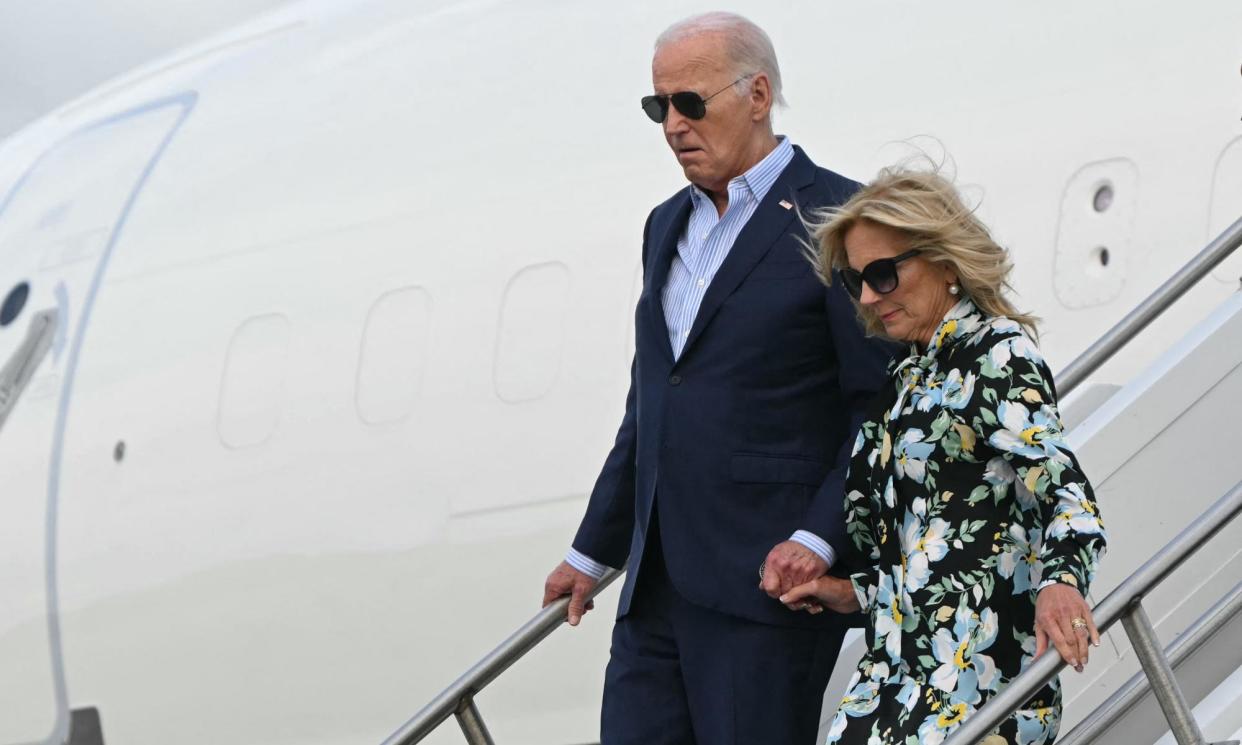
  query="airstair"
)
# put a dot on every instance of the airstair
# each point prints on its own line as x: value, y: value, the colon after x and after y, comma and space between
x: 1160, y: 451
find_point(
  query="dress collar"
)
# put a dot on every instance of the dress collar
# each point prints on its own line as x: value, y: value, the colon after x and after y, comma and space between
x: 962, y: 320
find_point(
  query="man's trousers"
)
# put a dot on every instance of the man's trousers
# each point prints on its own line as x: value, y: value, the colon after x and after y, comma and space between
x: 685, y: 675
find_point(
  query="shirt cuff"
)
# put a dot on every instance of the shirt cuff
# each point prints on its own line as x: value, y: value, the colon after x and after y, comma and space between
x: 816, y: 544
x: 585, y: 564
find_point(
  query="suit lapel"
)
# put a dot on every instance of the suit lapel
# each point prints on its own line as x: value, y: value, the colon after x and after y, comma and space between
x: 663, y: 246
x: 765, y: 227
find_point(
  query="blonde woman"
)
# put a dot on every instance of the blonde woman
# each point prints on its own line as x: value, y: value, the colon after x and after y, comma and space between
x: 979, y: 529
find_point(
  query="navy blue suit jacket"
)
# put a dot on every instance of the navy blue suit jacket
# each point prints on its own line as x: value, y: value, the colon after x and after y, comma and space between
x: 746, y: 437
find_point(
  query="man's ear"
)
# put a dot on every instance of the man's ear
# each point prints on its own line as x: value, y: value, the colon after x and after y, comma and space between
x: 760, y: 97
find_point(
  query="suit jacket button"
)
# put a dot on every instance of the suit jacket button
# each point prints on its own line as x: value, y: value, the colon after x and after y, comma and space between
x: 674, y: 380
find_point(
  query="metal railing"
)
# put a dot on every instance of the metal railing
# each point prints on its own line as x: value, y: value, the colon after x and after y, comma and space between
x: 1123, y: 604
x: 1138, y: 686
x: 458, y: 699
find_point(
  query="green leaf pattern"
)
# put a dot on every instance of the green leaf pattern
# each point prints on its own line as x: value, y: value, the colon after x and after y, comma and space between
x: 965, y: 501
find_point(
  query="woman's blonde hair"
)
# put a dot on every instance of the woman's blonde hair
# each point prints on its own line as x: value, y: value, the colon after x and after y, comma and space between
x: 926, y: 208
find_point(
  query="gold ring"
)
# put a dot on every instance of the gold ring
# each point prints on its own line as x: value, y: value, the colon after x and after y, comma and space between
x: 1078, y: 623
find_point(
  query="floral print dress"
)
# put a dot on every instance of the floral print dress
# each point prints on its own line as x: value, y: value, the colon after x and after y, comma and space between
x: 966, y: 501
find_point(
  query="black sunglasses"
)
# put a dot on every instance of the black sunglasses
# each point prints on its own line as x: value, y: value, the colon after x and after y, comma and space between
x: 690, y: 104
x: 880, y: 274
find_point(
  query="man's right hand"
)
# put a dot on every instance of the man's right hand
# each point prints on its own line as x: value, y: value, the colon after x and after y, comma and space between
x: 565, y: 580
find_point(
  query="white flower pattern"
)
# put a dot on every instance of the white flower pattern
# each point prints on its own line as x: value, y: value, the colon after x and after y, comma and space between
x: 966, y: 501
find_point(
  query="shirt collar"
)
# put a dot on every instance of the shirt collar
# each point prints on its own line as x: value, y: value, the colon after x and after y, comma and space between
x: 759, y: 179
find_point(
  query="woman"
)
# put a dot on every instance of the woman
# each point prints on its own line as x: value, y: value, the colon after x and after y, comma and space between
x: 979, y: 529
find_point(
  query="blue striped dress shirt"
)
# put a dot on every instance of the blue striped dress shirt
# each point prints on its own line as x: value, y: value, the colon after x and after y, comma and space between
x: 701, y: 249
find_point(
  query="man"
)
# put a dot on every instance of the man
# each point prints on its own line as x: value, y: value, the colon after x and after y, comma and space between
x: 748, y: 383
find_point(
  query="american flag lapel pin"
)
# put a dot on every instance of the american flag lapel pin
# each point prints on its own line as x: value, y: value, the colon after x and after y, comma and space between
x: 786, y: 204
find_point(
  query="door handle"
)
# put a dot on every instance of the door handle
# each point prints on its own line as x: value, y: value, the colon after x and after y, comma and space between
x: 17, y: 372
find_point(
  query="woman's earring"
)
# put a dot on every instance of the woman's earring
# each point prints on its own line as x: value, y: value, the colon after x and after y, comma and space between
x: 954, y: 289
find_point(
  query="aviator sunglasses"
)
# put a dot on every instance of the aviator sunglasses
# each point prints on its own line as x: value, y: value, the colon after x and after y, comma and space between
x: 880, y: 275
x: 690, y: 104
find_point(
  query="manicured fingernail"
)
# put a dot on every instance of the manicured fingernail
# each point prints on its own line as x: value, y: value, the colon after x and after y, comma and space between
x: 1095, y: 644
x: 783, y: 600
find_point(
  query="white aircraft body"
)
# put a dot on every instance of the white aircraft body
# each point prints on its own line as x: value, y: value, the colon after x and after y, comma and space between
x: 338, y: 319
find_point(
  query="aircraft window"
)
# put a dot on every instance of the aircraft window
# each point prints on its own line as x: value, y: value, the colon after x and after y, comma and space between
x: 1095, y: 234
x: 393, y: 356
x: 531, y: 337
x: 14, y: 303
x: 252, y: 395
x: 1103, y: 198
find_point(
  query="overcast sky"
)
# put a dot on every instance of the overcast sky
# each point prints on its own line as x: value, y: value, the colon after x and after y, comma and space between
x: 54, y: 50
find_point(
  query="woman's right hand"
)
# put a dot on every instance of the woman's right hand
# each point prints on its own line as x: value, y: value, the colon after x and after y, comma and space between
x: 1063, y: 620
x: 833, y: 593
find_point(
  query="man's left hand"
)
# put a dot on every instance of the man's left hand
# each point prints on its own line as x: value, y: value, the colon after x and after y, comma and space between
x: 788, y: 565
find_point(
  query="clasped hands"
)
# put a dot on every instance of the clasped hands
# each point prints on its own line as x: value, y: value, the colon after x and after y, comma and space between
x: 793, y: 574
x: 796, y: 575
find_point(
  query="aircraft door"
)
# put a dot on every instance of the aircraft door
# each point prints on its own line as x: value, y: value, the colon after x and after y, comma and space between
x: 59, y: 226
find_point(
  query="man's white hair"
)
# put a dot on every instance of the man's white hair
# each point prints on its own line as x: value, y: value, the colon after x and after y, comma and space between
x: 748, y: 47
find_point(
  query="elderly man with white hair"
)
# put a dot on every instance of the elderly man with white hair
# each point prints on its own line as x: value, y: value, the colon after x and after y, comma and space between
x: 723, y: 489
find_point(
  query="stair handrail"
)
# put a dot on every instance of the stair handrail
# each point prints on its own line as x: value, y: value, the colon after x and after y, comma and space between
x: 1134, y: 690
x: 458, y: 699
x: 1125, y: 604
x: 1147, y: 311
